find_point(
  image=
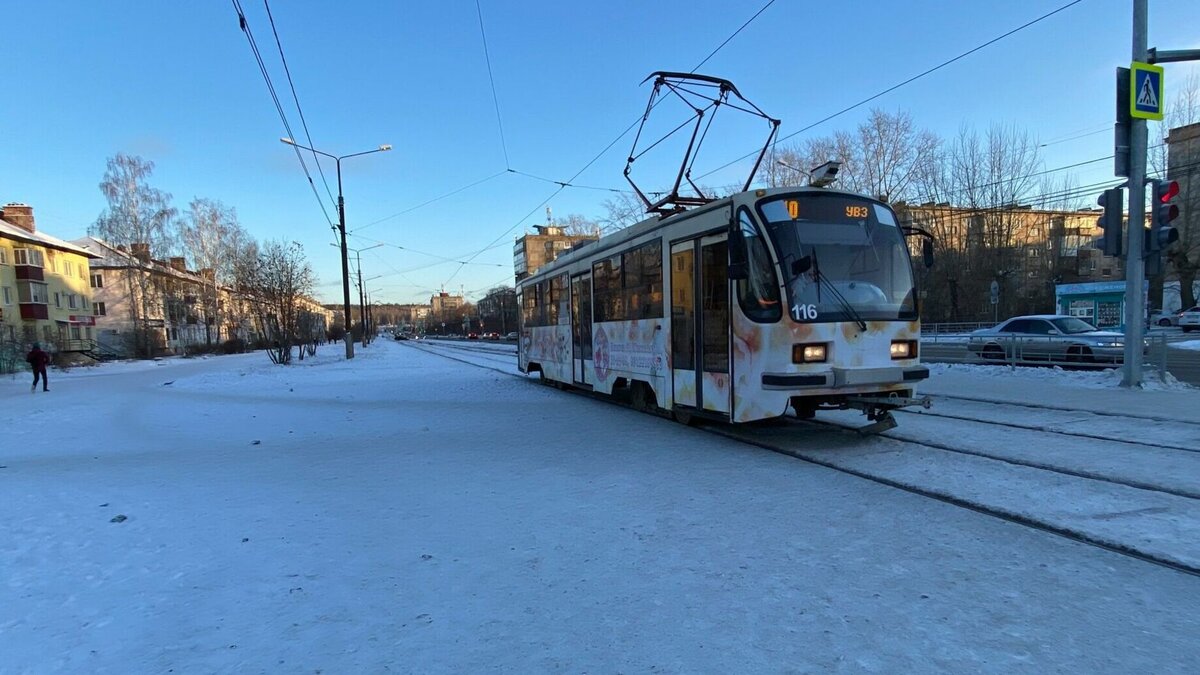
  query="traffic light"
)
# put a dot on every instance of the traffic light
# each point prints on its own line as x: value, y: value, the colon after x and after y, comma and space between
x: 1111, y: 221
x: 1162, y: 212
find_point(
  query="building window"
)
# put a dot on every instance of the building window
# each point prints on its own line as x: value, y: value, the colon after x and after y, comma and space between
x: 98, y: 309
x: 71, y: 301
x: 3, y: 256
x: 84, y: 302
x: 97, y: 280
x: 67, y: 269
x: 28, y: 256
x: 57, y: 300
x: 75, y: 333
x: 7, y: 295
x: 1105, y: 272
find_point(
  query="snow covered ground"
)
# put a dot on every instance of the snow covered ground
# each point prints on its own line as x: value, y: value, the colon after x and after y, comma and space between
x: 403, y: 512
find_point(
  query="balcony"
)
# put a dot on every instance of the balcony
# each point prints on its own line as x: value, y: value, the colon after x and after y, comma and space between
x: 34, y: 310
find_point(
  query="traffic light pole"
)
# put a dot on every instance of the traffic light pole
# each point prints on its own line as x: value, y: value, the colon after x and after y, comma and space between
x: 1135, y: 264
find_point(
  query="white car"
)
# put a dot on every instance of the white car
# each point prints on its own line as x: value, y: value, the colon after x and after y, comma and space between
x: 1162, y: 318
x: 1189, y: 319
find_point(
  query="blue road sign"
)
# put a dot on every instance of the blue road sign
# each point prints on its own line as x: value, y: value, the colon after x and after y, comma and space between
x: 1146, y: 91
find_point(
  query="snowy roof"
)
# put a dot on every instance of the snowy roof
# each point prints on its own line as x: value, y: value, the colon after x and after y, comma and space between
x: 113, y: 257
x: 10, y: 231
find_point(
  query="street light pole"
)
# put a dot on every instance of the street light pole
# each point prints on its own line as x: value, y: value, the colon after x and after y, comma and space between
x: 348, y: 336
x: 341, y: 206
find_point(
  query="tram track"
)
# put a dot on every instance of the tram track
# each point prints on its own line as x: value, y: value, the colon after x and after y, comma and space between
x: 1046, y: 406
x: 1017, y: 461
x: 745, y: 434
x: 1048, y: 430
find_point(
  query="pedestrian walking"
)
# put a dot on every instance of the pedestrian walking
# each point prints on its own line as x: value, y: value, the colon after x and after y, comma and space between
x: 38, y: 360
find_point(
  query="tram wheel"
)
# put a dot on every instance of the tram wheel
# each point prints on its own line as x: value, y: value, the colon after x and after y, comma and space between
x: 684, y: 417
x: 640, y: 397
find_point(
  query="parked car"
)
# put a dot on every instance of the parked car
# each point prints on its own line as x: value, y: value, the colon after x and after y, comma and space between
x: 1048, y: 338
x: 511, y: 336
x: 472, y: 336
x: 1164, y: 318
x: 1189, y: 319
x: 492, y: 336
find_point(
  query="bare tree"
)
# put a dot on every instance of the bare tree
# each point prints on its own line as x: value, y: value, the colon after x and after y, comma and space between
x: 138, y: 220
x: 282, y: 278
x: 622, y: 210
x: 885, y: 157
x: 209, y: 234
x: 574, y: 224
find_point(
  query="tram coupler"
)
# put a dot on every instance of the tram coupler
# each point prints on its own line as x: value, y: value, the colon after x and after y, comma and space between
x: 878, y: 410
x: 882, y: 423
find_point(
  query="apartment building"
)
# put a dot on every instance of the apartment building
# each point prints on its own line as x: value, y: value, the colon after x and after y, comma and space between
x: 148, y: 307
x: 44, y: 291
x: 532, y: 251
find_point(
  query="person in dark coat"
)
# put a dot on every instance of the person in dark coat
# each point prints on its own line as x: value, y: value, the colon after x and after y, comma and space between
x: 38, y: 360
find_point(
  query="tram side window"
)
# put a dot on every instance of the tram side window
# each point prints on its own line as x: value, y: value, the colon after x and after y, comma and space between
x: 758, y: 293
x: 643, y: 283
x: 547, y: 310
x: 560, y: 300
x: 607, y: 303
x: 529, y: 307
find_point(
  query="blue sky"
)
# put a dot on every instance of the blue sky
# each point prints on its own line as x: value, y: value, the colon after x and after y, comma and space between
x: 177, y: 84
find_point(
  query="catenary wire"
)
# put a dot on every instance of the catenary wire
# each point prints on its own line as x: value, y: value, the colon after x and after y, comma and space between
x: 495, y: 99
x: 262, y: 66
x: 894, y: 87
x: 303, y: 122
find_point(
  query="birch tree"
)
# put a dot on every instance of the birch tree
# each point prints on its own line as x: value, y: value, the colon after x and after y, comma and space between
x: 282, y: 277
x: 139, y: 220
x: 209, y: 235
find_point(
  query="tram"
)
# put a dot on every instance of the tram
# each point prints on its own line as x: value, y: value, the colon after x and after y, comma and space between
x: 737, y: 310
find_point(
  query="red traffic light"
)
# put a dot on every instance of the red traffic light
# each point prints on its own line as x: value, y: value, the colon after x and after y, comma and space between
x: 1167, y: 190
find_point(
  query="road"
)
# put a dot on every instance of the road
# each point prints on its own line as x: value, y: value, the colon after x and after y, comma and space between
x: 404, y: 511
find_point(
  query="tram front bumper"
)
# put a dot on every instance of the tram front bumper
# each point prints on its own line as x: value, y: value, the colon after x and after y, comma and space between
x: 844, y: 377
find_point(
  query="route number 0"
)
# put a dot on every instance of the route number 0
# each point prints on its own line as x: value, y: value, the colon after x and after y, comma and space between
x: 804, y: 312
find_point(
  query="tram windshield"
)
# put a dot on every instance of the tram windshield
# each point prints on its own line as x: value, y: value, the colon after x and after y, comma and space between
x: 843, y: 257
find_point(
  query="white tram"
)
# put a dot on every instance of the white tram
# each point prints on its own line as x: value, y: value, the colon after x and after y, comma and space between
x: 736, y: 309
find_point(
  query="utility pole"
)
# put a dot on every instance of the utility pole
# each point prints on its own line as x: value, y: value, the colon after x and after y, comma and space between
x: 341, y: 206
x: 362, y: 316
x: 1135, y: 264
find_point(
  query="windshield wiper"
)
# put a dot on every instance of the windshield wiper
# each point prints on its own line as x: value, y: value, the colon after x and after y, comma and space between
x: 846, y: 306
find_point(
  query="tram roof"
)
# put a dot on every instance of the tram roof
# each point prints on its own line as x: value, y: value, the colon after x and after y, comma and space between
x: 624, y: 235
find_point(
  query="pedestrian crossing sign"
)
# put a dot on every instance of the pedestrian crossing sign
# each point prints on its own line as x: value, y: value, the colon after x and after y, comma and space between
x: 1146, y: 91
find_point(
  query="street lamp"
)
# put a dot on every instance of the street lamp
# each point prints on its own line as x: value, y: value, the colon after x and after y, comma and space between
x: 349, y: 337
x: 358, y: 264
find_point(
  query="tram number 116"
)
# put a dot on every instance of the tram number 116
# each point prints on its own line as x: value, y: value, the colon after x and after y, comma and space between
x: 804, y: 312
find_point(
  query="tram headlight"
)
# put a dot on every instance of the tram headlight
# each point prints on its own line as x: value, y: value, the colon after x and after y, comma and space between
x: 814, y: 352
x: 904, y: 349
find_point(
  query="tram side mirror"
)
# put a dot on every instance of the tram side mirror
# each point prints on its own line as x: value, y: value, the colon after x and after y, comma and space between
x: 738, y: 268
x: 801, y: 265
x: 927, y: 252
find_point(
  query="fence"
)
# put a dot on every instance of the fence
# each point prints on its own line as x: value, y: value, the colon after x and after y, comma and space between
x: 1045, y: 350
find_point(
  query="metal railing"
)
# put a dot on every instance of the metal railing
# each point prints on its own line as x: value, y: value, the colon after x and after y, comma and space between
x: 1040, y: 350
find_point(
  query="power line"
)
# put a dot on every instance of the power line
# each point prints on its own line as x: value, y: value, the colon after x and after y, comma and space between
x: 435, y: 199
x: 567, y: 184
x: 720, y: 46
x: 563, y: 184
x: 495, y: 99
x: 262, y: 67
x: 901, y: 84
x: 505, y: 233
x: 296, y: 98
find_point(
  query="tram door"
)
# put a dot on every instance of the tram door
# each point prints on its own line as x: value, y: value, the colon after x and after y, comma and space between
x: 700, y: 323
x: 581, y: 328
